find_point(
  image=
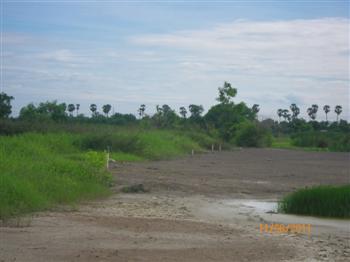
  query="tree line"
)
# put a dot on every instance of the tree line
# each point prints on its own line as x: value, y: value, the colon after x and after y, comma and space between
x: 311, y: 111
x: 226, y: 119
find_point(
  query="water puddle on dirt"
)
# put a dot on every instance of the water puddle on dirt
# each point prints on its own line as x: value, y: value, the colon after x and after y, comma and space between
x: 256, y: 206
x: 261, y: 206
x: 230, y: 210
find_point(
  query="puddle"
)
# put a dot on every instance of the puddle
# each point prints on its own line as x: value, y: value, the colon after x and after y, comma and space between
x: 253, y: 205
x: 259, y: 206
x: 239, y: 210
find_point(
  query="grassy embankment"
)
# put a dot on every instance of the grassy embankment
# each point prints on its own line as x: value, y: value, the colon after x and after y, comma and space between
x: 39, y: 171
x: 287, y: 142
x: 314, y: 141
x: 324, y: 201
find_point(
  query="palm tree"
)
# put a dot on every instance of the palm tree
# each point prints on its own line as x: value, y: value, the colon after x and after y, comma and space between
x: 311, y: 113
x: 142, y: 110
x: 255, y: 109
x: 279, y: 113
x: 183, y: 112
x: 77, y: 106
x: 326, y: 109
x: 295, y: 110
x: 71, y: 108
x: 93, y: 109
x: 338, y: 109
x: 285, y: 114
x: 315, y: 109
x: 106, y: 108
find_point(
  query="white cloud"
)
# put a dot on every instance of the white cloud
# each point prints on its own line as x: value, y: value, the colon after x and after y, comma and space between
x: 271, y: 63
x: 307, y: 59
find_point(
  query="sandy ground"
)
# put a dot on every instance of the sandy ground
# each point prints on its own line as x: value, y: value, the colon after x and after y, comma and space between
x: 200, y: 208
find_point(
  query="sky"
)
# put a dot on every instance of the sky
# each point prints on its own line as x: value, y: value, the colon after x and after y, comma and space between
x: 128, y: 53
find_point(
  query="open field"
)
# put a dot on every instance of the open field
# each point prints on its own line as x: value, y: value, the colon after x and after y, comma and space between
x: 199, y: 208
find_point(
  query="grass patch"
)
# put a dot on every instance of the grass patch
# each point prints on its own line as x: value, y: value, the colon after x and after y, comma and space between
x: 286, y: 142
x: 39, y: 171
x: 282, y: 142
x: 324, y: 201
x: 135, y: 145
x: 126, y: 157
x: 332, y: 141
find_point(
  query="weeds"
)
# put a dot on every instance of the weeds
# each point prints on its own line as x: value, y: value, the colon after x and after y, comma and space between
x: 326, y: 201
x: 39, y: 171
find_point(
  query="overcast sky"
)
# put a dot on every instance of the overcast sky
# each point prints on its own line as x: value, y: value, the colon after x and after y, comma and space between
x: 127, y: 53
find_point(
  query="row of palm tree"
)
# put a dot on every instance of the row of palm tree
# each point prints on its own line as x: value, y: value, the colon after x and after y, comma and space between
x: 286, y: 114
x: 311, y: 111
x: 93, y: 108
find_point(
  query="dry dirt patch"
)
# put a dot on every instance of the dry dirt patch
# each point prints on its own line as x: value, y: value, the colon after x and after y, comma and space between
x: 184, y: 216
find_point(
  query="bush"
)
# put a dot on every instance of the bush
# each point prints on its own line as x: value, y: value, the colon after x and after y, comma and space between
x: 328, y: 201
x: 334, y: 141
x: 250, y: 134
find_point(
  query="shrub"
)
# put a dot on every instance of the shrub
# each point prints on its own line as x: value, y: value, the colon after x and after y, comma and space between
x: 328, y: 201
x: 335, y: 141
x: 250, y: 134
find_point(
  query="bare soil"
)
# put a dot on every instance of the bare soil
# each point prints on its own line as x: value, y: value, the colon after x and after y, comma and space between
x: 194, y: 211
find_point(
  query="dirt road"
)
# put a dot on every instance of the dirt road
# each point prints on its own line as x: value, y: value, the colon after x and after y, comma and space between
x: 199, y: 208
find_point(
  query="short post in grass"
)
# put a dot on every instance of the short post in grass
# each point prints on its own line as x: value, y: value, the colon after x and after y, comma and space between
x: 107, y: 164
x: 219, y: 147
x: 212, y: 148
x: 192, y: 152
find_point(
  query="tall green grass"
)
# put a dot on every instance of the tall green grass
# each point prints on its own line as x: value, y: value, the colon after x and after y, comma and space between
x: 326, y: 201
x: 136, y: 145
x: 38, y: 171
x: 333, y: 141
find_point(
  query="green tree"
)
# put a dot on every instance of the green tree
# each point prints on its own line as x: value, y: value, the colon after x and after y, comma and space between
x: 5, y: 105
x: 71, y: 108
x: 165, y: 116
x: 106, y: 108
x: 53, y: 110
x: 28, y: 112
x: 196, y: 111
x: 226, y: 93
x: 93, y: 109
x: 338, y: 110
x: 326, y: 109
x: 183, y: 112
x: 280, y: 114
x: 251, y: 134
x: 45, y: 110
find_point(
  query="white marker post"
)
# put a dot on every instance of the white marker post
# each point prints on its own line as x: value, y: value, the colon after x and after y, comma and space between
x: 107, y: 164
x: 192, y: 153
x: 220, y: 147
x: 212, y: 148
